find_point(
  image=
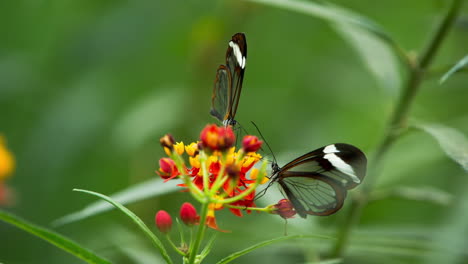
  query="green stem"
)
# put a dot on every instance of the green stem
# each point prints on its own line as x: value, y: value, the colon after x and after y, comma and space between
x: 174, y: 246
x: 200, y: 233
x: 397, y: 124
x: 260, y: 209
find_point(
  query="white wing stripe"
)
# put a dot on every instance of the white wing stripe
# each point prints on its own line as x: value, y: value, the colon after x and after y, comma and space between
x: 238, y: 54
x: 341, y: 165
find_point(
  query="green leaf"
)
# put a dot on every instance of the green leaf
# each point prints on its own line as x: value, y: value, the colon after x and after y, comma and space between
x: 421, y: 193
x: 156, y: 242
x: 235, y: 255
x: 152, y: 188
x: 451, y: 240
x: 452, y: 142
x: 457, y: 67
x: 375, y: 54
x: 53, y: 238
x: 327, y: 261
x: 375, y: 46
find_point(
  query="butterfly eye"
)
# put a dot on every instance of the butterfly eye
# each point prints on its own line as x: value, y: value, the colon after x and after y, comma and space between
x: 228, y: 82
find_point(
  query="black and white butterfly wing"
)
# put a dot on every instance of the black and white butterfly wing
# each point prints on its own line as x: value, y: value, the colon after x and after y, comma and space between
x: 228, y: 82
x: 341, y: 162
x: 316, y: 183
x: 312, y: 194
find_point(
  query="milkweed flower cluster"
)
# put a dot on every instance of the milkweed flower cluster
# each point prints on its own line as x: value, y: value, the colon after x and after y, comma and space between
x: 217, y: 174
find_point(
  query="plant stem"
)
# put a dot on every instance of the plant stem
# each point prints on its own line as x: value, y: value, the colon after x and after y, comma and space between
x: 200, y: 233
x: 396, y: 125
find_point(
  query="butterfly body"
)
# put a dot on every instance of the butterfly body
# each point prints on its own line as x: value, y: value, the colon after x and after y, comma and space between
x: 316, y: 183
x: 228, y: 81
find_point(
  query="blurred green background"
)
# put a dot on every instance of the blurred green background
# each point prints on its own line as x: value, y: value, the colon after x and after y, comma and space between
x: 87, y: 88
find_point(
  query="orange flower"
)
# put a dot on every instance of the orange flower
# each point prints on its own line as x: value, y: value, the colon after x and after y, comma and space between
x: 217, y: 138
x: 217, y: 173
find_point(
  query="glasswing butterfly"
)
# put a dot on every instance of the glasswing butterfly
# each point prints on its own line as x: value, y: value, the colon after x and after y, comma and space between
x: 228, y: 82
x: 316, y: 183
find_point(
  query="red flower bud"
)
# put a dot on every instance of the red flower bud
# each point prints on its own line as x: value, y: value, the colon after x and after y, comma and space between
x: 217, y: 138
x: 188, y: 214
x: 285, y: 209
x: 251, y: 143
x: 168, y: 168
x: 163, y: 221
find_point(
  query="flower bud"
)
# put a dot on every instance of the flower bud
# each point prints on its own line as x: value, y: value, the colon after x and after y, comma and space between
x: 188, y: 214
x: 251, y: 143
x: 167, y: 141
x: 285, y: 209
x: 168, y: 168
x: 217, y: 138
x: 163, y: 221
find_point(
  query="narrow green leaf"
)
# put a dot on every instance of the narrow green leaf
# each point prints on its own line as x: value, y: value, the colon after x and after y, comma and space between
x: 152, y: 188
x: 53, y: 238
x: 235, y: 255
x: 452, y: 142
x: 156, y: 242
x: 208, y: 247
x: 460, y: 65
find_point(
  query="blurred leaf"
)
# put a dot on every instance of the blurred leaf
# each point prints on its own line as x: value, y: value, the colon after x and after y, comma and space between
x: 209, y: 245
x: 460, y: 65
x: 452, y: 142
x: 374, y: 45
x: 376, y: 55
x: 328, y: 261
x: 156, y: 242
x: 53, y: 238
x: 144, y: 190
x: 130, y: 244
x: 414, y: 242
x: 422, y: 193
x: 235, y: 255
x: 453, y: 235
x: 153, y: 115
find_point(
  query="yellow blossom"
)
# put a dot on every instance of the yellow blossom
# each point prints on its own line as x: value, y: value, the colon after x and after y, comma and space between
x: 195, y: 161
x: 179, y: 148
x: 192, y: 149
x: 7, y: 161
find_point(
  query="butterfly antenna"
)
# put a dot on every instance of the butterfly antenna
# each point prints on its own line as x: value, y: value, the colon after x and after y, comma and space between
x: 266, y: 142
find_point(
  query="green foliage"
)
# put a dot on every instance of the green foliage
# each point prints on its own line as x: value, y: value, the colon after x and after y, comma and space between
x: 53, y: 238
x: 87, y: 89
x: 141, y: 225
x: 238, y: 254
